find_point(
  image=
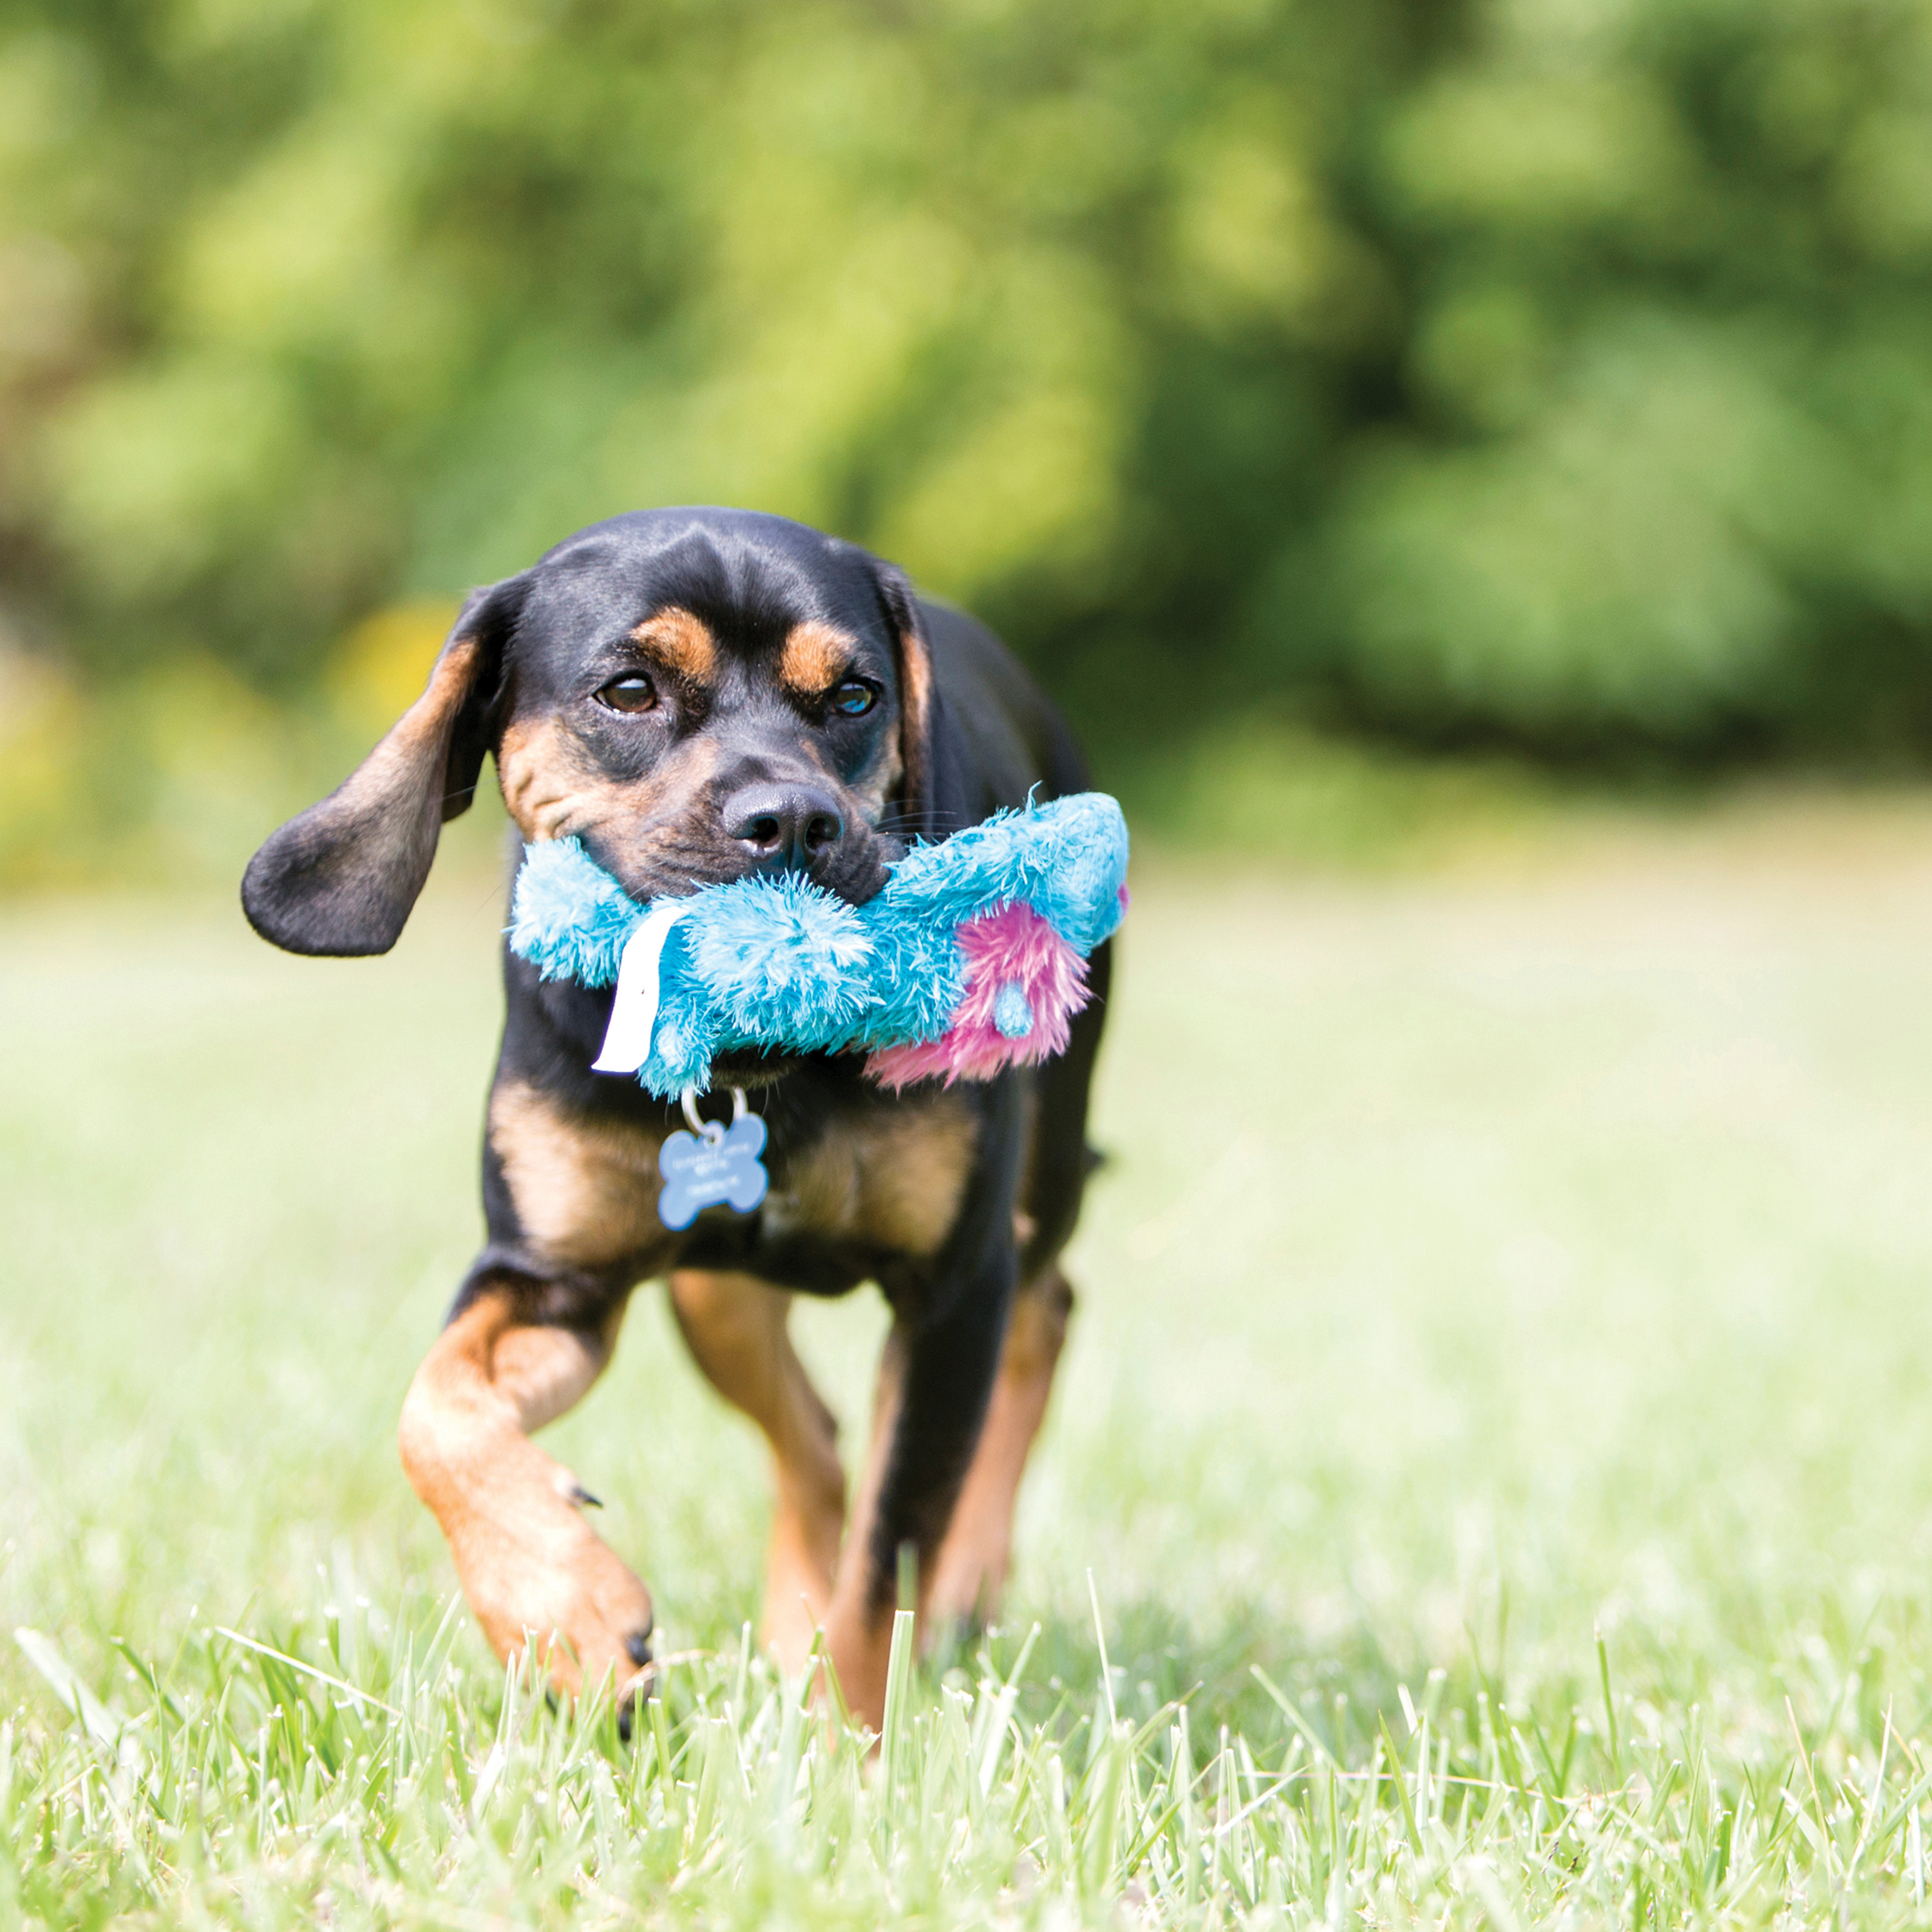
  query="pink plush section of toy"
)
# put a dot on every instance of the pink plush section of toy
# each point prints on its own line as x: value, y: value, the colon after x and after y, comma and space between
x: 1024, y: 985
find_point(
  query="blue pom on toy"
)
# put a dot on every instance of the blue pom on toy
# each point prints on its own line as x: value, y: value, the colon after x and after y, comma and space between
x: 972, y: 958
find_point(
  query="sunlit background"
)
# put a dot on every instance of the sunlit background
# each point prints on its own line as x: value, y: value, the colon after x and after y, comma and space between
x: 1546, y: 378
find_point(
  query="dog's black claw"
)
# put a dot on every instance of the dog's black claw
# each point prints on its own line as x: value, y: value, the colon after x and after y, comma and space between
x: 583, y: 1499
x: 630, y: 1715
x: 637, y: 1647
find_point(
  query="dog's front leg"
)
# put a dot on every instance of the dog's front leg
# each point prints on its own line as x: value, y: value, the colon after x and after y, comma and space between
x: 935, y: 1379
x: 934, y: 1382
x: 533, y: 1572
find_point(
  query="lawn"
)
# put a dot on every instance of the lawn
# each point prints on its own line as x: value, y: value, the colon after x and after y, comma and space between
x: 1495, y: 1447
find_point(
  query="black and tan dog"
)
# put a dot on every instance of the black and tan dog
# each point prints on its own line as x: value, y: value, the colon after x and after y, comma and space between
x: 696, y: 695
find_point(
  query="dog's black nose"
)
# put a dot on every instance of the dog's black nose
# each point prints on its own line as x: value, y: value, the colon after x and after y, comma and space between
x: 784, y: 825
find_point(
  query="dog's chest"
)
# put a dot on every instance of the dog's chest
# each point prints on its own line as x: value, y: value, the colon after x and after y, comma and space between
x: 886, y: 1179
x: 890, y: 1180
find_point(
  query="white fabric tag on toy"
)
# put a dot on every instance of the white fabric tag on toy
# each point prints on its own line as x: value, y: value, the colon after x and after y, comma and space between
x: 633, y: 1013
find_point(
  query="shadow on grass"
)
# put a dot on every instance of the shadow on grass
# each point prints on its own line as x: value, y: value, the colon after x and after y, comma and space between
x: 1342, y: 1687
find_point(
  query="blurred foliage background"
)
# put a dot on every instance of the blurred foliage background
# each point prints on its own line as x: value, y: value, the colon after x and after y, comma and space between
x: 1551, y: 379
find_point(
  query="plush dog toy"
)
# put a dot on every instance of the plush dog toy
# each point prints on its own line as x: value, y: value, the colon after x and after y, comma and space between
x: 973, y: 957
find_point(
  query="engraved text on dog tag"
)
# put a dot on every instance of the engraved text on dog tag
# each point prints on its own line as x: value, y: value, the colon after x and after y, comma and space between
x: 719, y: 1166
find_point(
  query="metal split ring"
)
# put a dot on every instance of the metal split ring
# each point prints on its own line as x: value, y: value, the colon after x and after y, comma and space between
x: 712, y: 1131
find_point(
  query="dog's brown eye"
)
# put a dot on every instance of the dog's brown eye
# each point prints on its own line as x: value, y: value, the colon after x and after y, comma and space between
x: 854, y: 698
x: 631, y: 694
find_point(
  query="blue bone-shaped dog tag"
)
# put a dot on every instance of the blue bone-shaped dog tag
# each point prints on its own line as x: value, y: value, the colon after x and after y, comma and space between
x: 719, y: 1165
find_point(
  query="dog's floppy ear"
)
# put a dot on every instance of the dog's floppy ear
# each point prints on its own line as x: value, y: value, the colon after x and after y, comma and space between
x: 340, y: 879
x: 927, y: 809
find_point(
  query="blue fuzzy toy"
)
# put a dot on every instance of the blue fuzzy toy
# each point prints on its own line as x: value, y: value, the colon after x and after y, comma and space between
x: 973, y: 957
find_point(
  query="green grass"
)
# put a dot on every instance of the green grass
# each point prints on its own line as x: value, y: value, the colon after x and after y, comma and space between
x: 1486, y: 1262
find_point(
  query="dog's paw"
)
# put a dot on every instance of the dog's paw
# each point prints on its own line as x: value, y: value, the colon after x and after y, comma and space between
x: 540, y: 1580
x: 859, y: 1649
x: 597, y: 1633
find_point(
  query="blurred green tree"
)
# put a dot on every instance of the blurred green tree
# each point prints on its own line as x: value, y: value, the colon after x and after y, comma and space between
x: 1552, y: 371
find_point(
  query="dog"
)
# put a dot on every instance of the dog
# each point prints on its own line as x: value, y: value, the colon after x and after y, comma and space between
x: 696, y: 694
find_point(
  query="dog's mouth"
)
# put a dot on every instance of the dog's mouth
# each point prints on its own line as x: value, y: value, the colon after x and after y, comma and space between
x: 675, y: 868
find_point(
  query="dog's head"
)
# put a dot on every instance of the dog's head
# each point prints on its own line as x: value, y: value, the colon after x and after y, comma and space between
x: 694, y: 693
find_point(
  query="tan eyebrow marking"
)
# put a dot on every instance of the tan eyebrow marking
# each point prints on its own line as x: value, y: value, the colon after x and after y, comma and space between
x: 682, y: 643
x: 815, y: 656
